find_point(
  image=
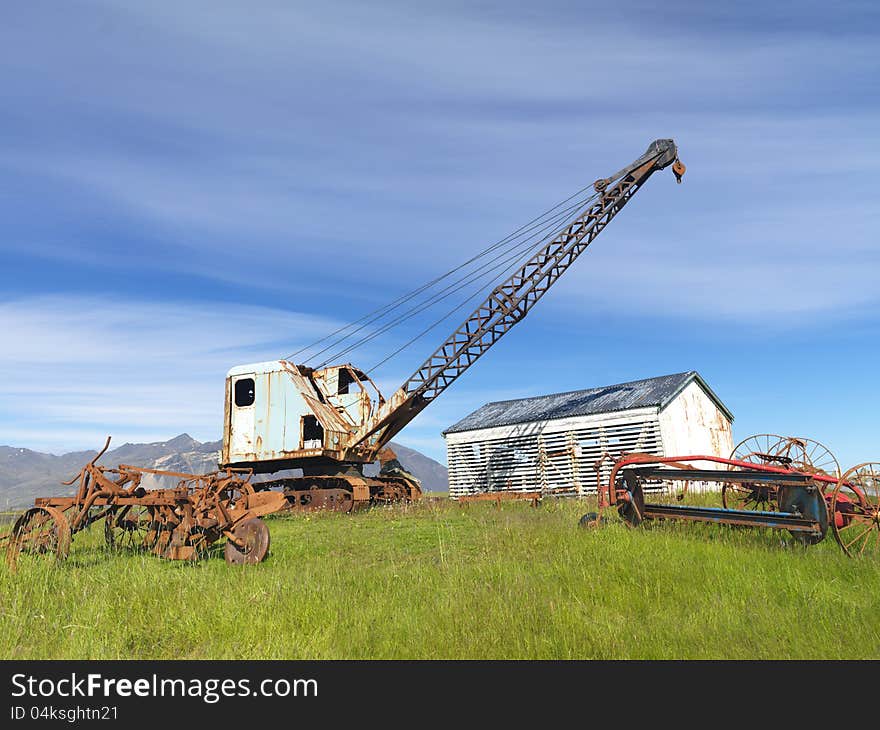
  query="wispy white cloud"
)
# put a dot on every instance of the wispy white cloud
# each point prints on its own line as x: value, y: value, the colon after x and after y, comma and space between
x: 78, y: 366
x: 300, y: 124
x: 481, y: 52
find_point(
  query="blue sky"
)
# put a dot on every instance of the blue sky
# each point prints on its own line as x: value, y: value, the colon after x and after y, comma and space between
x: 187, y: 187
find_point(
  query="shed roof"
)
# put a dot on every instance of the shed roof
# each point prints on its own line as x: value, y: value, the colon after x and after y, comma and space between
x: 651, y: 392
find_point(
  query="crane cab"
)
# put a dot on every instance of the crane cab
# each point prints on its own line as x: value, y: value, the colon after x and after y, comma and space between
x: 279, y: 415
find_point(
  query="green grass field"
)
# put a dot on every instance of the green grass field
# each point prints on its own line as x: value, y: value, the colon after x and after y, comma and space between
x: 436, y: 580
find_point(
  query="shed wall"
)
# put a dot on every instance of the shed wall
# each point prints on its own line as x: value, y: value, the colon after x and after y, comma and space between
x: 557, y: 456
x: 693, y: 424
x: 560, y: 456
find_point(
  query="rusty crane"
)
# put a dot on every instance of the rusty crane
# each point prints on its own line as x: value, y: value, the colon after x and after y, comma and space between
x: 331, y: 421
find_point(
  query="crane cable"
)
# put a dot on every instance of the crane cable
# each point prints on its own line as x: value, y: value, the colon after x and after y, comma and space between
x: 505, y: 258
x: 564, y: 213
x: 444, y: 293
x: 387, y: 308
x: 518, y: 264
x: 455, y: 287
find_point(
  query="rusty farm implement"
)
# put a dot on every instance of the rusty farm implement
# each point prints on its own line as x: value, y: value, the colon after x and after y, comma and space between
x: 775, y: 482
x: 177, y: 523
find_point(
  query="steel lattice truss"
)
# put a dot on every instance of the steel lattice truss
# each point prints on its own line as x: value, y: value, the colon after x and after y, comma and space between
x: 510, y: 301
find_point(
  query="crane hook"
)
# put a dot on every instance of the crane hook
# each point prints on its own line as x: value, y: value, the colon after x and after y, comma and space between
x: 678, y: 169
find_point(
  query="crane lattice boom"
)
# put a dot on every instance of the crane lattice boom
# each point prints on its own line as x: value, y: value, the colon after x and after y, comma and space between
x: 511, y: 300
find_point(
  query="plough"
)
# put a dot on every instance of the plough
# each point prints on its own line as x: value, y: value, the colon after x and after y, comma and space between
x: 178, y: 523
x: 769, y: 481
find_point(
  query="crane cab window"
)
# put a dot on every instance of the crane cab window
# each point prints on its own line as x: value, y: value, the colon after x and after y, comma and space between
x: 343, y: 382
x: 312, y: 433
x: 244, y: 392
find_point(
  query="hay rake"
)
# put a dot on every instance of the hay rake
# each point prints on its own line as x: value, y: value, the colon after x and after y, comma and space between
x: 784, y: 483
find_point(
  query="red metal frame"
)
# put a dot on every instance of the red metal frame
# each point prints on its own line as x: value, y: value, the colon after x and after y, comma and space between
x: 614, y: 496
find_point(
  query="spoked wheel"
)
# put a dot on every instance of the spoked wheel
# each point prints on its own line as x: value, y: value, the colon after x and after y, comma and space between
x: 253, y: 538
x: 39, y: 531
x: 129, y: 528
x: 758, y: 449
x: 755, y: 497
x: 855, y: 506
x: 788, y: 452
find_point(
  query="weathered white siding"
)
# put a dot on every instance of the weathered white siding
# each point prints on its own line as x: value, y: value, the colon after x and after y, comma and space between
x: 557, y: 456
x: 692, y: 424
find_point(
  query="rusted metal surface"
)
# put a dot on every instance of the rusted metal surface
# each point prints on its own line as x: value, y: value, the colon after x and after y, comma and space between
x: 250, y: 544
x: 793, y: 452
x: 343, y: 493
x: 179, y: 523
x: 855, y: 507
x: 807, y: 500
x: 40, y: 530
x: 285, y: 397
x: 678, y: 169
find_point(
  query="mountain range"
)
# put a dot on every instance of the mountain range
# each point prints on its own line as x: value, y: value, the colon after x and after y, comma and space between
x: 26, y: 474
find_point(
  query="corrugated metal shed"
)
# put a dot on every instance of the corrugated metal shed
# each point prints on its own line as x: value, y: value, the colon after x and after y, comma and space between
x: 650, y: 392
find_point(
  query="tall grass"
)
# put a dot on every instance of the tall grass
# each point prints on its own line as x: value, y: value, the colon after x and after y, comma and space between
x: 436, y: 580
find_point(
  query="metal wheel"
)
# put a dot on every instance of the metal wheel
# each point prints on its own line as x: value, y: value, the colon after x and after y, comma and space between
x: 253, y: 536
x: 756, y: 497
x: 129, y: 528
x: 590, y: 520
x: 790, y: 452
x: 758, y: 449
x: 855, y: 505
x: 39, y: 531
x: 633, y: 510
